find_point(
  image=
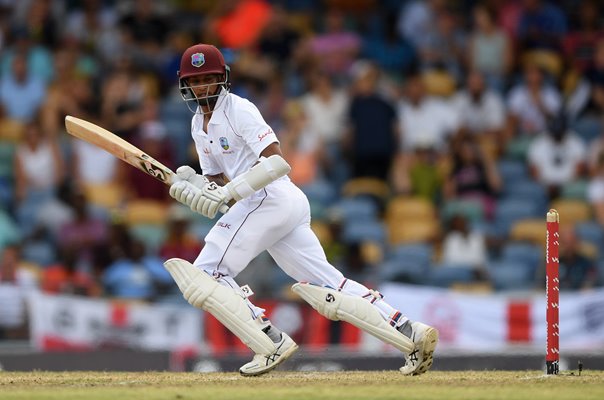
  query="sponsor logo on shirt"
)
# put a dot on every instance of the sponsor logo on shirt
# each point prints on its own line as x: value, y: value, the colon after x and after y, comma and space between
x: 206, y: 150
x: 263, y: 135
x: 223, y: 225
x: 224, y: 143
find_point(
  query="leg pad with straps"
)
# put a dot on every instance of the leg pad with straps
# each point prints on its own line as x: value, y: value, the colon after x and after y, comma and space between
x: 355, y: 310
x: 202, y: 291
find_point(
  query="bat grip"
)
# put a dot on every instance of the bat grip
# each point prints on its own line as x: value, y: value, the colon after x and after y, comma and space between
x: 223, y: 208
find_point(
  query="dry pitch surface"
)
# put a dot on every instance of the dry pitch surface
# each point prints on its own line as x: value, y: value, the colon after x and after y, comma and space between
x: 532, y: 385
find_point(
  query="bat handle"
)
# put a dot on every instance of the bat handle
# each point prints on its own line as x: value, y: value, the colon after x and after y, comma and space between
x: 223, y: 208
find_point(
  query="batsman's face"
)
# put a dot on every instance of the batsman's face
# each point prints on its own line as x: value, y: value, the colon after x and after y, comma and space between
x: 205, y: 86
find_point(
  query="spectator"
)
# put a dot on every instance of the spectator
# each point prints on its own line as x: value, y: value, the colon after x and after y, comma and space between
x: 417, y: 19
x: 39, y: 166
x: 464, y: 246
x: 301, y: 146
x: 444, y: 46
x: 65, y: 277
x: 531, y: 103
x: 179, y: 243
x: 278, y: 39
x: 334, y: 50
x: 21, y: 93
x: 481, y: 111
x: 557, y: 156
x: 325, y: 107
x: 542, y: 25
x: 372, y: 140
x: 424, y: 120
x: 16, y: 278
x: 420, y: 173
x: 595, y: 190
x: 137, y: 276
x: 577, y: 269
x: 473, y: 176
x: 581, y: 41
x: 489, y: 48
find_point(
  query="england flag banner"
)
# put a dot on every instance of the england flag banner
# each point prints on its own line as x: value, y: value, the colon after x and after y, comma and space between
x: 78, y: 323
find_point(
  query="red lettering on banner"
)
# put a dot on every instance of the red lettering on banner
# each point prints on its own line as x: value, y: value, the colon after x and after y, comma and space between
x: 519, y: 322
x: 119, y: 315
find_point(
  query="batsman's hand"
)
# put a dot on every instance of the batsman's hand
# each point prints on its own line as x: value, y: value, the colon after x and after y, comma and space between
x: 198, y: 193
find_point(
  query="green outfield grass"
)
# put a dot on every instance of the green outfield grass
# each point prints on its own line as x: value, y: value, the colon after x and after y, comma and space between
x: 531, y: 385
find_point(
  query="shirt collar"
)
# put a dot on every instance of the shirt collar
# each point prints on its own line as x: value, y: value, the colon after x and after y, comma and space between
x: 218, y: 116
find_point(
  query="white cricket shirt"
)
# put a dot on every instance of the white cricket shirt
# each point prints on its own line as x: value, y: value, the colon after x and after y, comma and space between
x: 236, y: 136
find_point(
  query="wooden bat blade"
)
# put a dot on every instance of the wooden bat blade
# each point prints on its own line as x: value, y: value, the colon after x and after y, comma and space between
x: 117, y: 146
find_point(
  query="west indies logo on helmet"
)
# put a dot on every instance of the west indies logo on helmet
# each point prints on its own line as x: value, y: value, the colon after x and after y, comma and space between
x: 196, y: 61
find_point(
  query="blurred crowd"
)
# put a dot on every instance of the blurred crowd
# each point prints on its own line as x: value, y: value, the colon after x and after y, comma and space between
x: 431, y: 137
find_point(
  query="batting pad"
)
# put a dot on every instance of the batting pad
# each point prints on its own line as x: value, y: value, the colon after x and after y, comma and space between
x: 202, y: 291
x: 355, y: 310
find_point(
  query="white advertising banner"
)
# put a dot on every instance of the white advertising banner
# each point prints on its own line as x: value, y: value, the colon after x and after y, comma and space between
x: 70, y: 322
x: 493, y: 322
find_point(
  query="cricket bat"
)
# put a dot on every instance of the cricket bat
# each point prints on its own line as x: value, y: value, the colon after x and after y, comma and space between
x: 256, y: 178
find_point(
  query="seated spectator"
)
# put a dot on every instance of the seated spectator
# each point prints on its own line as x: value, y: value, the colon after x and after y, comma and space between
x: 557, y: 156
x: 473, y: 175
x: 595, y: 190
x: 83, y: 233
x: 465, y: 246
x: 39, y: 167
x: 137, y: 276
x: 151, y: 137
x: 16, y: 278
x: 386, y: 48
x: 481, y: 111
x: 65, y: 277
x: 419, y: 173
x: 301, y: 146
x: 577, y: 268
x: 531, y: 103
x: 335, y: 49
x: 542, y: 25
x: 444, y: 45
x: 424, y: 120
x: 372, y: 140
x: 21, y: 93
x: 277, y: 39
x: 179, y: 243
x: 580, y: 43
x: 489, y: 48
x: 325, y: 107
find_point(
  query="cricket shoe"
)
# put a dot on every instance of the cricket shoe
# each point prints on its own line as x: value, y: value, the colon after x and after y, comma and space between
x: 420, y: 360
x: 261, y: 364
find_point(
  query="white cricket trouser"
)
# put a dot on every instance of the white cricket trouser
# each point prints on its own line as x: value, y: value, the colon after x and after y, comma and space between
x: 276, y: 219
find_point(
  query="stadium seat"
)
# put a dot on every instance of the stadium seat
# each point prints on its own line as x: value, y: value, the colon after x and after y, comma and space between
x: 363, y: 230
x: 575, y: 190
x: 588, y: 128
x: 591, y: 232
x: 439, y: 83
x: 528, y: 254
x: 403, y: 271
x: 572, y: 211
x: 145, y: 212
x: 416, y: 253
x: 532, y: 230
x: 321, y: 229
x: 512, y: 170
x: 11, y: 130
x: 108, y: 195
x: 510, y: 210
x: 403, y: 208
x: 472, y: 210
x: 366, y: 186
x: 526, y: 190
x: 320, y: 191
x: 413, y: 231
x: 506, y: 275
x: 7, y: 154
x: 446, y: 275
x: 548, y: 60
x: 357, y: 209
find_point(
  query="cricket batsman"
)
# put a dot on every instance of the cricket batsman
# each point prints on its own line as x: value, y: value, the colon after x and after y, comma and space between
x: 230, y: 137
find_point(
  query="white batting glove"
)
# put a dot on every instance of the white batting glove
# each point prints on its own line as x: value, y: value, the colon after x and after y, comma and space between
x: 197, y: 192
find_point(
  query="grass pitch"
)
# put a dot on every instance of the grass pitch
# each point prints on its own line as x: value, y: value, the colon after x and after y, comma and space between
x: 530, y: 385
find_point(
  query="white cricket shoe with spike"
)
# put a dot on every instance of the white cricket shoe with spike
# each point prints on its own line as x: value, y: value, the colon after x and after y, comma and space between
x: 261, y: 364
x: 421, y: 358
